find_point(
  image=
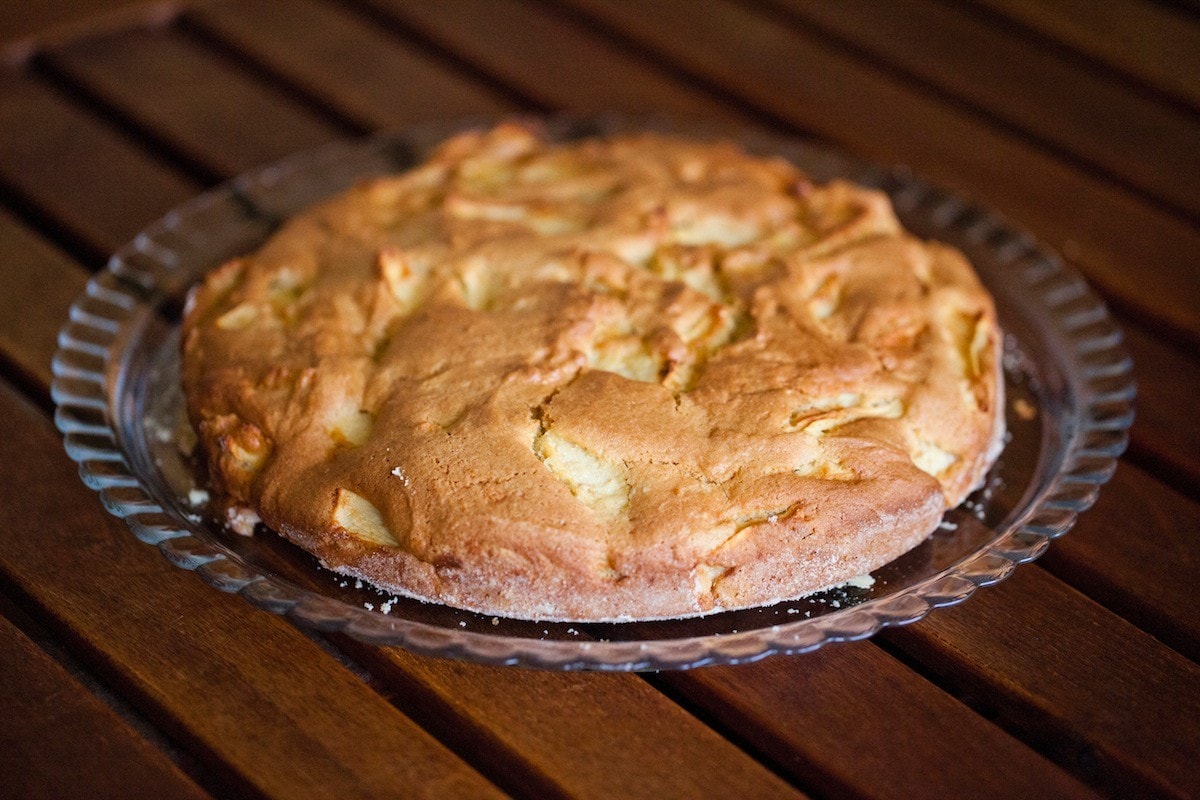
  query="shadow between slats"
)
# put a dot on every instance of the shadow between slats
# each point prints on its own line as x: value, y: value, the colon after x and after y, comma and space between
x: 1100, y: 40
x: 248, y: 696
x: 1085, y: 119
x: 334, y: 58
x: 91, y: 698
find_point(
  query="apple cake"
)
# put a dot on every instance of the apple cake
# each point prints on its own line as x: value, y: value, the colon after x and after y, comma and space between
x: 628, y: 377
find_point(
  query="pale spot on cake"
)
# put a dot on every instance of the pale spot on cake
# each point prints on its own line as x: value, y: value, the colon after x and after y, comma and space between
x: 822, y: 415
x: 357, y: 516
x: 285, y: 289
x: 824, y: 300
x: 706, y: 578
x: 769, y: 516
x: 247, y: 449
x: 395, y: 269
x: 351, y: 427
x: 930, y: 457
x: 825, y: 469
x: 600, y: 485
x: 474, y: 286
x: 970, y: 341
x: 695, y: 267
x: 239, y: 317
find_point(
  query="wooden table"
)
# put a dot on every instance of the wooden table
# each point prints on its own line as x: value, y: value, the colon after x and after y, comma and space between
x: 123, y: 676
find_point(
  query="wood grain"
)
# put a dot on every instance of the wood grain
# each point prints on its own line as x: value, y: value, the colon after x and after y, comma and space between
x: 39, y: 291
x: 1150, y: 41
x: 250, y: 695
x: 573, y: 734
x: 97, y: 185
x: 1059, y: 672
x: 1094, y: 692
x: 552, y: 58
x: 1136, y: 552
x: 1165, y: 436
x: 185, y: 95
x: 68, y: 743
x: 1050, y: 96
x: 376, y: 79
x: 851, y: 721
x: 1139, y: 256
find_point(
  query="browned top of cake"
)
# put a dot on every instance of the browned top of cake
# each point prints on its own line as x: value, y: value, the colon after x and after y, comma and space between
x: 629, y: 377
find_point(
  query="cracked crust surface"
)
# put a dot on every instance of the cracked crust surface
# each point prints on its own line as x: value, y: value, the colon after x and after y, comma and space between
x: 625, y: 378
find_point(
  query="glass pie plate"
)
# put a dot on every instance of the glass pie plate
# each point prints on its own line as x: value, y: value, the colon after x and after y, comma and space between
x: 1069, y: 404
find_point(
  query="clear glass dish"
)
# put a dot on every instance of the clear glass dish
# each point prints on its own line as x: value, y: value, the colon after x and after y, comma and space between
x: 1069, y: 387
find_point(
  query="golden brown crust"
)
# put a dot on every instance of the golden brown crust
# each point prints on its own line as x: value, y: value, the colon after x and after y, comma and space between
x: 627, y: 378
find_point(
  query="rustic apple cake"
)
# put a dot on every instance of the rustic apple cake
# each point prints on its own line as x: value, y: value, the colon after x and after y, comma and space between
x: 628, y: 377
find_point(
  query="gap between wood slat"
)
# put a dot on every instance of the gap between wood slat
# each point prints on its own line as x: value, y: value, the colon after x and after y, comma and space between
x: 1118, y: 708
x: 42, y: 67
x: 1093, y: 49
x: 1147, y: 172
x: 57, y: 652
x: 47, y: 225
x: 807, y: 714
x: 178, y: 95
x: 517, y: 39
x: 113, y: 188
x: 349, y: 63
x: 1121, y: 568
x: 261, y: 72
x: 253, y: 699
x: 448, y: 57
x: 1164, y: 439
x: 1190, y: 7
x: 554, y: 734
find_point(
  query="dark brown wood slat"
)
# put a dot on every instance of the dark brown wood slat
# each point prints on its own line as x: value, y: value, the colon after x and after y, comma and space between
x: 375, y: 79
x: 574, y: 734
x: 1165, y: 435
x: 1154, y: 43
x: 111, y: 190
x: 1091, y: 690
x: 1140, y: 256
x: 1136, y: 552
x: 247, y: 692
x: 42, y: 283
x: 1185, y: 5
x: 186, y: 96
x: 810, y: 715
x: 552, y: 58
x: 65, y: 742
x: 1144, y: 142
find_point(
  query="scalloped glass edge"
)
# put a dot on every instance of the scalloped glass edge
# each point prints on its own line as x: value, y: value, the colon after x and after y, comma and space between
x: 88, y: 387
